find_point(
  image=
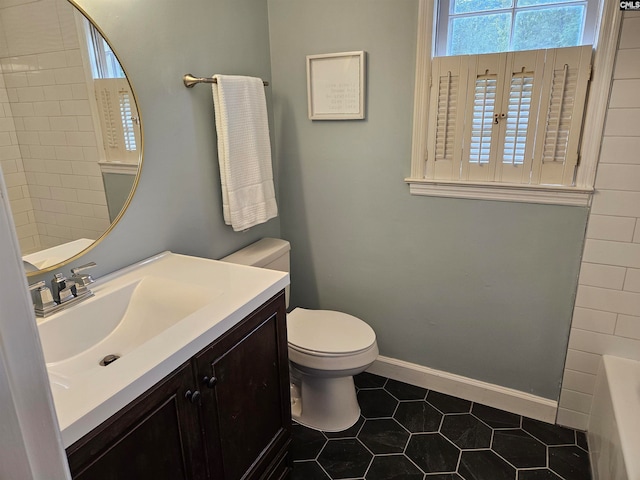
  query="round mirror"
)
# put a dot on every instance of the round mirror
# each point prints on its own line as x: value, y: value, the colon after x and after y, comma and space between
x: 70, y: 139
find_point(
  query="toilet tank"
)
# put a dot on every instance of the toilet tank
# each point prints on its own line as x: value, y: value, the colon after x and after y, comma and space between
x: 270, y: 253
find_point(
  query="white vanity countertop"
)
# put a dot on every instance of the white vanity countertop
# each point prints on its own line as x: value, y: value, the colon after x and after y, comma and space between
x: 85, y: 399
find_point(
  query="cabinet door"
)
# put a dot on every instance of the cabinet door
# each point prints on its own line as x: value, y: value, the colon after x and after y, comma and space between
x: 246, y: 412
x: 155, y: 437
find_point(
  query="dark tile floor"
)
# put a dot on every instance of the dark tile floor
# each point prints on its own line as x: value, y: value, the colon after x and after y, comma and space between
x: 406, y: 433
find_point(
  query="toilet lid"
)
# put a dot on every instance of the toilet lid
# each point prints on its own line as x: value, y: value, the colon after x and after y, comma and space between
x: 326, y: 331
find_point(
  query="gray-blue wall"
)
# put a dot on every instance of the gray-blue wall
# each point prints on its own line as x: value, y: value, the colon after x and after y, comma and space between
x: 177, y: 205
x: 482, y: 289
x: 478, y: 288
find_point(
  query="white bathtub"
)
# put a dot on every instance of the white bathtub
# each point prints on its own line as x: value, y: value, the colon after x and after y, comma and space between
x: 614, y: 423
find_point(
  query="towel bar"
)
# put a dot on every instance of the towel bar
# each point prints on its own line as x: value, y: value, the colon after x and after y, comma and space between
x: 189, y: 80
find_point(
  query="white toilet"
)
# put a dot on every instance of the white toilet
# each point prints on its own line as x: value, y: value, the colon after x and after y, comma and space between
x: 326, y: 349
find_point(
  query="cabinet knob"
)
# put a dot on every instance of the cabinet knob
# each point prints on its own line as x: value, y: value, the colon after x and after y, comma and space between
x: 209, y: 382
x: 193, y: 397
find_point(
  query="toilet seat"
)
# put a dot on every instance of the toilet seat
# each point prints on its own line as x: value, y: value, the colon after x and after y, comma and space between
x: 312, y: 353
x: 328, y: 333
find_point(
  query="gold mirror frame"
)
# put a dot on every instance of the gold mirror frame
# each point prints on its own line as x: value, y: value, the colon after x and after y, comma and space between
x: 140, y: 149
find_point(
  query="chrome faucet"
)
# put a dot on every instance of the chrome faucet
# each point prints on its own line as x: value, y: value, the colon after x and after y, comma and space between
x: 63, y: 292
x: 62, y: 289
x: 42, y: 299
x: 82, y: 281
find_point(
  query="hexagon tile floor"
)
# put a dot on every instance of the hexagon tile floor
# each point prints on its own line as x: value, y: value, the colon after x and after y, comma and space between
x: 410, y: 433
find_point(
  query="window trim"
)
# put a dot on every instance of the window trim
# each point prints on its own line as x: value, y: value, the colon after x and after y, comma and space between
x: 508, y: 192
x: 606, y: 42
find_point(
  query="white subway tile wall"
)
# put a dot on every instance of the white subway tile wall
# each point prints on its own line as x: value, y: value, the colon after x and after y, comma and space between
x: 54, y: 181
x: 606, y: 319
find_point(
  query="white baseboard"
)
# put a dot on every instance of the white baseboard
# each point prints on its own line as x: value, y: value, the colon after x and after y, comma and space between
x: 508, y: 399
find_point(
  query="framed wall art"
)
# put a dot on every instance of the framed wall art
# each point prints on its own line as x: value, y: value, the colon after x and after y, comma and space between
x: 336, y: 86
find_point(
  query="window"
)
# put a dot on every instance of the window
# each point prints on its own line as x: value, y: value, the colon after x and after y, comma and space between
x: 510, y: 125
x: 491, y: 26
x: 116, y: 107
x: 104, y: 63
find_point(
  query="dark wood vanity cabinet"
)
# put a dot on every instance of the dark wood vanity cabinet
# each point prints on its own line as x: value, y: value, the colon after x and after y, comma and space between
x: 245, y: 397
x: 156, y: 436
x: 223, y: 415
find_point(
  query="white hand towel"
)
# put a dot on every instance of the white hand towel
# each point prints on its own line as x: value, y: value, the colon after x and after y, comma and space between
x: 244, y: 151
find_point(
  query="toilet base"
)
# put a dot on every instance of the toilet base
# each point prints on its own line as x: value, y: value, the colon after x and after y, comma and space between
x: 325, y: 403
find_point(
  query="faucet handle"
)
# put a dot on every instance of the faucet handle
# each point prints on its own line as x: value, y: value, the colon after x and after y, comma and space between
x: 41, y: 296
x: 62, y: 289
x: 86, y: 266
x: 37, y: 285
x: 58, y: 282
x: 82, y: 281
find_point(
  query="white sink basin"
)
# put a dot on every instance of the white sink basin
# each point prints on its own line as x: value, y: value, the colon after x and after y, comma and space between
x: 117, y: 321
x: 154, y: 315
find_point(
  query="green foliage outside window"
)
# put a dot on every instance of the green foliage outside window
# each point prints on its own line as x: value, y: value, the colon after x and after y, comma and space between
x: 469, y: 6
x: 548, y: 28
x: 530, y: 3
x: 480, y: 34
x: 490, y: 26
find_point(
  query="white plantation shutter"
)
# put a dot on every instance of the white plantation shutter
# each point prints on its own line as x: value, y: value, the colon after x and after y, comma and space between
x: 448, y: 89
x: 128, y: 123
x: 484, y: 102
x: 118, y: 118
x: 518, y: 116
x: 562, y: 106
x: 448, y: 93
x: 486, y: 81
x: 524, y: 76
x: 108, y: 118
x: 510, y: 117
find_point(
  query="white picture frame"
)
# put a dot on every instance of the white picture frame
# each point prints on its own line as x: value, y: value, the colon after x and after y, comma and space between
x: 336, y: 86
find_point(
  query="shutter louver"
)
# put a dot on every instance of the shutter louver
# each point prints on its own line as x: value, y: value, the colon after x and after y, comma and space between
x: 127, y: 117
x: 484, y: 103
x: 117, y: 119
x: 444, y: 138
x: 517, y: 121
x: 448, y: 89
x: 484, y: 90
x: 109, y: 119
x: 563, y: 88
x: 562, y: 104
x: 521, y: 98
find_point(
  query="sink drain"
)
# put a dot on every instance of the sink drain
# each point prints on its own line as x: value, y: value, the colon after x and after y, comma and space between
x: 109, y: 359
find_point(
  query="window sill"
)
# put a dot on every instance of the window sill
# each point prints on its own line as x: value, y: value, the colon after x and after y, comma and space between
x: 119, y: 167
x: 545, y: 194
